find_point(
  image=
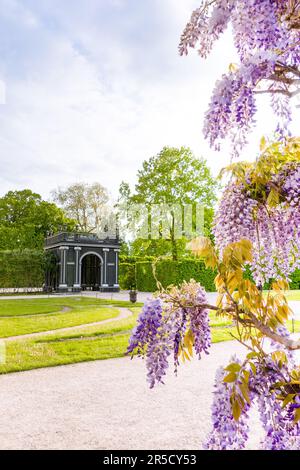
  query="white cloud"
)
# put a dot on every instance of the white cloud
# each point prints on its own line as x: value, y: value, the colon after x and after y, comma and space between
x: 92, y: 91
x: 2, y: 92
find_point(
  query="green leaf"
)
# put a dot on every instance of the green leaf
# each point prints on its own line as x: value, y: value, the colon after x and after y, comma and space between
x: 251, y: 355
x: 263, y: 144
x: 231, y: 377
x: 236, y: 410
x: 246, y: 375
x: 233, y: 367
x: 288, y: 399
x: 245, y: 392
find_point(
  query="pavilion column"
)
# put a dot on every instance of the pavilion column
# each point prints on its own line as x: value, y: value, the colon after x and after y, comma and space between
x: 63, y: 267
x: 116, y: 284
x: 77, y: 283
x: 104, y: 280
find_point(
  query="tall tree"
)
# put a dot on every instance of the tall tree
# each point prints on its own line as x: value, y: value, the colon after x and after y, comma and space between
x: 25, y: 219
x: 266, y: 35
x: 172, y: 177
x: 86, y: 203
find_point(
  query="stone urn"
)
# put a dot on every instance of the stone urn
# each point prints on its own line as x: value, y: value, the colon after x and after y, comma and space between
x: 133, y: 296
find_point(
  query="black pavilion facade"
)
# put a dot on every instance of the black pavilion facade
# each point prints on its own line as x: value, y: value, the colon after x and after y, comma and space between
x: 82, y: 261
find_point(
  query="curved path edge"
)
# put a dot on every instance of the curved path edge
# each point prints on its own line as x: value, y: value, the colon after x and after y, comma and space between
x: 124, y: 313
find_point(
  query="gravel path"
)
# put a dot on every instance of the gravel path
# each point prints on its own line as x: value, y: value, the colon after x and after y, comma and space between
x: 124, y: 313
x: 108, y: 405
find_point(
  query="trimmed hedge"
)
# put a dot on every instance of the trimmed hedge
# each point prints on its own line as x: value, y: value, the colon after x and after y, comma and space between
x: 22, y: 268
x: 27, y: 269
x: 295, y: 280
x: 127, y: 276
x: 175, y: 272
x: 134, y: 259
x: 168, y: 272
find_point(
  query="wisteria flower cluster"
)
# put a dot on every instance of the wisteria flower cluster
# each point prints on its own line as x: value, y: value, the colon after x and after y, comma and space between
x: 168, y: 324
x: 280, y: 430
x: 227, y: 433
x: 267, y: 214
x: 266, y: 36
x: 176, y: 323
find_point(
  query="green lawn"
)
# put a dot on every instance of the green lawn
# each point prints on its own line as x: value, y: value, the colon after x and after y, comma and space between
x: 13, y: 326
x: 22, y: 316
x: 20, y: 307
x: 86, y: 343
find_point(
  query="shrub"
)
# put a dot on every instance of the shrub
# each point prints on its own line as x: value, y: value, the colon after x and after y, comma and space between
x: 127, y: 276
x: 173, y: 272
x: 295, y: 280
x: 22, y: 268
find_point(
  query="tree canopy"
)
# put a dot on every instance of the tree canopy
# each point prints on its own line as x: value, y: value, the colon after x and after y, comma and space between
x: 85, y: 203
x: 175, y: 175
x: 172, y: 177
x: 25, y: 219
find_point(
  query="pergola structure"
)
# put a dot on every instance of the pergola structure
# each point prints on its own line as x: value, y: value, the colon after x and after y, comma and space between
x: 83, y: 261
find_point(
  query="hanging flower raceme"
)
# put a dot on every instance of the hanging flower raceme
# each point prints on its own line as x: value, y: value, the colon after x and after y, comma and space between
x: 152, y: 338
x: 148, y: 323
x: 265, y: 209
x: 281, y: 431
x: 249, y: 385
x: 227, y: 433
x: 266, y: 38
x: 171, y: 324
x: 176, y: 323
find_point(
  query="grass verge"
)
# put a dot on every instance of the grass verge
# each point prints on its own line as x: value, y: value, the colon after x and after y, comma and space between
x: 22, y: 307
x: 14, y: 326
x: 90, y: 343
x: 25, y: 316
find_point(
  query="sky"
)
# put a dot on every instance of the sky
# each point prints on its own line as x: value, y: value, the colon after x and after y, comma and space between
x: 95, y: 87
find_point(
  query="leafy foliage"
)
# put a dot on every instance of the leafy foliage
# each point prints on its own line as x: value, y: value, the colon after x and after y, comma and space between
x: 269, y: 378
x: 262, y: 203
x: 127, y: 279
x: 174, y: 176
x: 25, y: 220
x: 22, y: 268
x: 175, y: 272
x: 87, y: 204
x: 167, y: 272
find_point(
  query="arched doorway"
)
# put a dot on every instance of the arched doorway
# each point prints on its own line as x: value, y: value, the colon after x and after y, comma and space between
x: 91, y: 271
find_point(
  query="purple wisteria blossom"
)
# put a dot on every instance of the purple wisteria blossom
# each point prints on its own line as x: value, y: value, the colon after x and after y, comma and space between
x: 163, y: 324
x: 149, y: 321
x: 266, y: 37
x: 199, y: 321
x: 227, y: 433
x: 281, y: 433
x: 273, y: 231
